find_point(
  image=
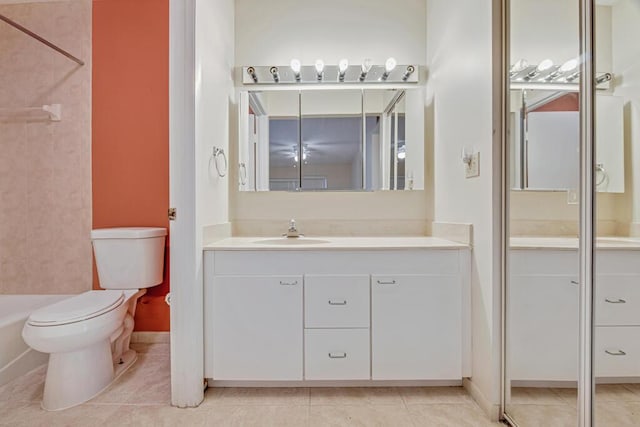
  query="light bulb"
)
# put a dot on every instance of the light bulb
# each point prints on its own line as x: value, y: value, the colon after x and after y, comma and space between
x: 319, y: 66
x: 296, y: 66
x: 544, y: 65
x: 390, y: 65
x: 570, y: 65
x: 366, y: 66
x: 343, y: 65
x: 519, y: 66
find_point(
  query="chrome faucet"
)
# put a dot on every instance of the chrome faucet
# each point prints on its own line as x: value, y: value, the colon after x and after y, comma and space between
x: 293, y: 231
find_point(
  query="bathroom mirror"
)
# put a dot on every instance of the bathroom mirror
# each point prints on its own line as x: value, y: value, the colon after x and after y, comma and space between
x: 544, y: 139
x: 331, y: 140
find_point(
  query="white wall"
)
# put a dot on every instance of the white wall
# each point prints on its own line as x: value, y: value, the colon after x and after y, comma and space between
x: 459, y: 94
x: 625, y: 17
x: 274, y: 32
x: 215, y: 93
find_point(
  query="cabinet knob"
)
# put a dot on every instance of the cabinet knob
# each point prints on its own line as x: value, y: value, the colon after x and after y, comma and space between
x: 343, y: 302
x: 618, y: 301
x: 337, y: 355
x: 386, y: 282
x: 615, y: 353
x: 294, y: 283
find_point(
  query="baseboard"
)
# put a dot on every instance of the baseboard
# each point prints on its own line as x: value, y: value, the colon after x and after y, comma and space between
x: 491, y: 409
x: 150, y: 337
x: 336, y: 383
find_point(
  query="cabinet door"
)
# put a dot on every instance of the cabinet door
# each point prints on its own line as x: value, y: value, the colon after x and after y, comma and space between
x: 416, y: 327
x: 543, y: 328
x: 257, y: 328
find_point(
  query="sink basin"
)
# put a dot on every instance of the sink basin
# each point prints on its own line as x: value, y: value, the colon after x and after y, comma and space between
x: 291, y: 241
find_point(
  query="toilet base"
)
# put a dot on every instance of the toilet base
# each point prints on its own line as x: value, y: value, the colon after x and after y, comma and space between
x: 76, y: 377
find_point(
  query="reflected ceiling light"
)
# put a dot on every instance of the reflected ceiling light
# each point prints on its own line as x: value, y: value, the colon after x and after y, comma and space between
x: 572, y: 77
x: 276, y: 75
x: 389, y: 65
x: 296, y: 67
x: 542, y: 67
x: 366, y: 67
x: 319, y: 68
x: 402, y: 153
x: 252, y: 72
x: 518, y: 67
x: 343, y: 65
x: 410, y: 69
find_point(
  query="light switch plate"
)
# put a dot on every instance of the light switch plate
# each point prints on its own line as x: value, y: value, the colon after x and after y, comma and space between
x: 472, y: 169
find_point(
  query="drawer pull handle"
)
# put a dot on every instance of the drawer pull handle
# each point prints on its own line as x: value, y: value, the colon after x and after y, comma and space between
x: 386, y: 282
x: 575, y: 282
x: 337, y: 355
x: 343, y: 302
x: 618, y: 301
x: 616, y: 353
x: 294, y: 283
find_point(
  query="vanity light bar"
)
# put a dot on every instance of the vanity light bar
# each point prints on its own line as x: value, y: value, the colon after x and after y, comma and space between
x: 330, y: 74
x: 546, y: 75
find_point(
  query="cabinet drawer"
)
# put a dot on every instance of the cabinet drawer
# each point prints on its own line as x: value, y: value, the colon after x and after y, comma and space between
x: 336, y: 301
x: 337, y: 354
x: 617, y: 300
x: 617, y: 351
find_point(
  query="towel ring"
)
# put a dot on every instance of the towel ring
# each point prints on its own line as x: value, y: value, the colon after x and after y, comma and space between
x: 219, y: 152
x: 604, y: 176
x: 243, y: 174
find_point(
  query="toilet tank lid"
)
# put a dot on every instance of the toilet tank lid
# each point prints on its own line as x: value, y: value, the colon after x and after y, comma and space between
x: 128, y: 233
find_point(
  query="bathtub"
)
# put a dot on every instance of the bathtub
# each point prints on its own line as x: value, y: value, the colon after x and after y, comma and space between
x: 16, y: 358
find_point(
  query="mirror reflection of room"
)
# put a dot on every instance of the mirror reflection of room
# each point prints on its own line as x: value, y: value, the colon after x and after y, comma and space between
x: 335, y: 140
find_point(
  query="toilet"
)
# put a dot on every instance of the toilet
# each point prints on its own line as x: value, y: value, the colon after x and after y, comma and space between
x: 88, y: 335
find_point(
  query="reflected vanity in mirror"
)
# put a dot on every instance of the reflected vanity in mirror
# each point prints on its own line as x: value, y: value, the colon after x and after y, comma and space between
x: 331, y: 140
x: 545, y: 132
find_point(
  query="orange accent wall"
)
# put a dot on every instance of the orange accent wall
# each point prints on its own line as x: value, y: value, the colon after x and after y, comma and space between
x: 130, y: 128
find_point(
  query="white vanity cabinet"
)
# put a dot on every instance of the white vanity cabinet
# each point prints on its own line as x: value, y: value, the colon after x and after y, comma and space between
x: 543, y: 315
x: 415, y: 328
x: 297, y: 316
x: 256, y: 323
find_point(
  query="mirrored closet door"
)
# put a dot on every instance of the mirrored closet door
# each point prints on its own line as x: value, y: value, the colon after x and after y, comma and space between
x: 572, y: 288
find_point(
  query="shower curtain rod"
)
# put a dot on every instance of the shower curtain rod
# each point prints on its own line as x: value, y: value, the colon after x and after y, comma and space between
x: 40, y: 39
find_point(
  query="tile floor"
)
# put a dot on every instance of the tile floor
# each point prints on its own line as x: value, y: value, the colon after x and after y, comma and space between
x: 616, y: 406
x: 141, y: 397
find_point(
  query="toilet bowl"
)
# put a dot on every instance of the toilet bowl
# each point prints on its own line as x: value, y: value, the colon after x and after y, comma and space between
x: 88, y: 335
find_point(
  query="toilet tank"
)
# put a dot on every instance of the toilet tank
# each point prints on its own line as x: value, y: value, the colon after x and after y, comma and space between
x: 129, y: 257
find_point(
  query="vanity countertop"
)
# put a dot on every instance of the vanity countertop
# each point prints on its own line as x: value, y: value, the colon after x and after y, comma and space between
x: 571, y: 243
x: 332, y: 243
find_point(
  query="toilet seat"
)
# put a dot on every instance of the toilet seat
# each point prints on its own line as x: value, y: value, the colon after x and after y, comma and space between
x: 78, y: 308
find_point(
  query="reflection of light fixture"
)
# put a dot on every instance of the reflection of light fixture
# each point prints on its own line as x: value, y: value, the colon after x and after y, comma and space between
x: 542, y: 67
x: 606, y: 77
x: 343, y: 65
x: 388, y: 67
x: 408, y: 72
x: 295, y: 67
x: 570, y: 65
x: 402, y: 153
x: 252, y: 72
x: 305, y: 153
x: 319, y: 68
x: 275, y: 74
x: 518, y: 67
x: 366, y: 67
